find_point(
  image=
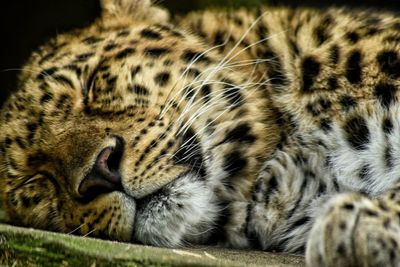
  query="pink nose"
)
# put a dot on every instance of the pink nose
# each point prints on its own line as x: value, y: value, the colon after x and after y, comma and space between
x: 104, y: 175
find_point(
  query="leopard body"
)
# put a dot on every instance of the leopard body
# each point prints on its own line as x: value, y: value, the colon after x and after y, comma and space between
x: 273, y: 128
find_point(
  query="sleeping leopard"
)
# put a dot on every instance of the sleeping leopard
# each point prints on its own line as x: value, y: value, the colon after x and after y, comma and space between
x: 274, y: 129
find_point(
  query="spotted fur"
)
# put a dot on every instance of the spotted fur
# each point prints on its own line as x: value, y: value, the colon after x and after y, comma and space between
x: 274, y: 128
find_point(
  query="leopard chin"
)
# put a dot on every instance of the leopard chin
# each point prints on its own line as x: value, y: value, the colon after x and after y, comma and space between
x: 181, y: 213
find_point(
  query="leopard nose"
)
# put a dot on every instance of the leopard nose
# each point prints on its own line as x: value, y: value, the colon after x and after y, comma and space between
x: 104, y: 175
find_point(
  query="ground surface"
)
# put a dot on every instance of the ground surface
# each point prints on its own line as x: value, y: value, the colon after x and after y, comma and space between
x: 29, y: 247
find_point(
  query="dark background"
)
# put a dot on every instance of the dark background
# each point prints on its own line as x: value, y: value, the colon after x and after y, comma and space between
x: 24, y: 25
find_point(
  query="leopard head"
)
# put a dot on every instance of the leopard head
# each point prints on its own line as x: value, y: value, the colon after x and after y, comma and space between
x: 129, y: 129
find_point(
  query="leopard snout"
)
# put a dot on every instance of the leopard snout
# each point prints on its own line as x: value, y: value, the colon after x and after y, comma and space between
x: 104, y: 176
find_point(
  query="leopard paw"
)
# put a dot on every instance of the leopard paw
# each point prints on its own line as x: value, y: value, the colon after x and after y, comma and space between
x: 355, y: 231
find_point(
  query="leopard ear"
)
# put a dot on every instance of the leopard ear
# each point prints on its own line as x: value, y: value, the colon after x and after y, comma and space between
x: 135, y: 9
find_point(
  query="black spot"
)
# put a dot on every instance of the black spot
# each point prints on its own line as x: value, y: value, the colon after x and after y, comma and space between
x: 125, y: 53
x: 110, y: 47
x: 25, y: 201
x: 335, y: 184
x: 348, y: 206
x: 300, y: 222
x: 342, y: 226
x: 371, y: 213
x: 75, y: 69
x: 150, y: 34
x: 162, y: 78
x: 20, y: 142
x: 219, y: 38
x: 46, y: 98
x: 234, y: 163
x: 46, y: 57
x: 352, y: 37
x: 312, y: 109
x: 153, y: 144
x: 262, y: 31
x: 46, y: 72
x: 322, y: 188
x: 353, y: 67
x: 111, y: 81
x: 347, y: 102
x: 206, y: 91
x: 252, y: 236
x: 372, y: 31
x: 321, y: 35
x: 328, y: 20
x: 36, y: 159
x: 232, y: 93
x: 188, y: 92
x: 271, y: 186
x: 335, y: 54
x: 44, y: 87
x: 92, y: 40
x: 388, y: 158
x: 324, y: 103
x: 242, y: 133
x: 293, y: 47
x: 357, y: 132
x: 31, y: 127
x: 190, y: 55
x: 163, y: 27
x: 326, y: 124
x: 140, y: 90
x: 224, y: 217
x: 238, y: 21
x: 123, y: 33
x: 332, y: 83
x: 192, y: 71
x: 168, y: 62
x: 61, y: 101
x: 8, y: 141
x: 364, y: 172
x: 341, y: 250
x: 311, y: 68
x: 156, y: 52
x: 84, y: 57
x: 389, y: 63
x: 385, y: 93
x: 387, y: 126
